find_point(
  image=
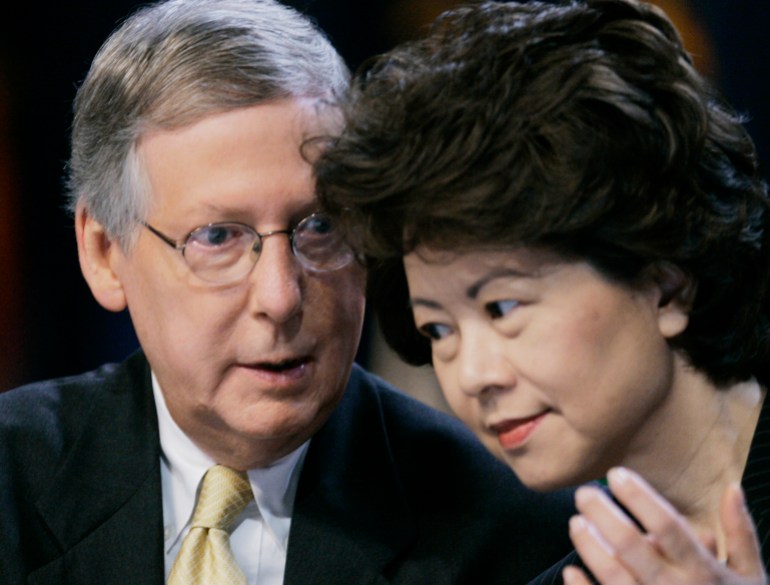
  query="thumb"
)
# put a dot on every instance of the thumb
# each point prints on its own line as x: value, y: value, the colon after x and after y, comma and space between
x: 742, y: 544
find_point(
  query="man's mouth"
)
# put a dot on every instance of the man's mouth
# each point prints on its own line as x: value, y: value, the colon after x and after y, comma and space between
x: 282, y: 365
x: 280, y: 371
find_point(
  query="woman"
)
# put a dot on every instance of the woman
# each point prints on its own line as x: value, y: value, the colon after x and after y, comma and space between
x: 563, y: 218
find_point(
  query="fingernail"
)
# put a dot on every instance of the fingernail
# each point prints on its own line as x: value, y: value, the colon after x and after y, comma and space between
x: 577, y: 523
x: 583, y: 495
x: 618, y: 476
x: 569, y: 575
x: 738, y: 489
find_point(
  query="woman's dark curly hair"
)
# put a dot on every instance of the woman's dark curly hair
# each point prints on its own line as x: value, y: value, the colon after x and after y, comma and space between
x: 580, y: 127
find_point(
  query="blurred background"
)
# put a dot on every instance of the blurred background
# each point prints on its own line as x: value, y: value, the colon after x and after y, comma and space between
x: 49, y: 323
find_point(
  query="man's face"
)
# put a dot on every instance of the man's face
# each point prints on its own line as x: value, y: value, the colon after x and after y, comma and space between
x: 249, y: 370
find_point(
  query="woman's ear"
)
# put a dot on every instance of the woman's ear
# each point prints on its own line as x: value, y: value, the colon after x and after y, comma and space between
x: 676, y: 296
x: 97, y: 254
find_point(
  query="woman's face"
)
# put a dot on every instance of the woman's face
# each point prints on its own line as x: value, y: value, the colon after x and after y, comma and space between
x: 560, y: 372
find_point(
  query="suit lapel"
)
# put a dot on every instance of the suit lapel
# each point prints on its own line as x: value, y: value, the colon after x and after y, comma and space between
x: 350, y: 518
x: 104, y: 506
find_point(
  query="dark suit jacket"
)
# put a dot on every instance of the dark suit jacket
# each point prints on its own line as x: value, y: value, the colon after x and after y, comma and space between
x: 391, y: 492
x: 756, y: 487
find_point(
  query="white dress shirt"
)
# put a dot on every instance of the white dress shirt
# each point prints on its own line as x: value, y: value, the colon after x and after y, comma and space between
x: 260, y: 535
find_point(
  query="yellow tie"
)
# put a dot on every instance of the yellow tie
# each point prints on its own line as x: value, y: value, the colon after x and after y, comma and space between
x: 205, y: 557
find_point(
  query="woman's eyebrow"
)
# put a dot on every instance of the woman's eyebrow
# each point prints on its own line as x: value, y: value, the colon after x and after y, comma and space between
x: 473, y: 290
x: 418, y: 302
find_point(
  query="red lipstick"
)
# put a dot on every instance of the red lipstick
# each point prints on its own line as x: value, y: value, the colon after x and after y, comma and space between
x: 514, y: 433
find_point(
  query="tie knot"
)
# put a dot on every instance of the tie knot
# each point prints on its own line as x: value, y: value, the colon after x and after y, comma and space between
x: 224, y: 494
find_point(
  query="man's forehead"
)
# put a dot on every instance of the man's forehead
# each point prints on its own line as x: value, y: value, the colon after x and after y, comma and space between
x: 312, y: 111
x: 243, y: 165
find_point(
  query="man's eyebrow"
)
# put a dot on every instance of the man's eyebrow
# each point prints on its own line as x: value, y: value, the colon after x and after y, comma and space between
x: 473, y: 290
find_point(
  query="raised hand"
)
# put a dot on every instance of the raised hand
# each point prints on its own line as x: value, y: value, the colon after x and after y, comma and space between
x: 667, y: 551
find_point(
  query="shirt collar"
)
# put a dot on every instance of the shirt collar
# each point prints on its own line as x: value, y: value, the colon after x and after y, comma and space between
x: 183, y: 465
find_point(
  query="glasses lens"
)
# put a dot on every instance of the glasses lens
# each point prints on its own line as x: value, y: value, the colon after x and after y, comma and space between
x: 319, y: 245
x: 220, y: 252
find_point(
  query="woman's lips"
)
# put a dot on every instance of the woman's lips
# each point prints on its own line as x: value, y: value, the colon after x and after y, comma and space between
x: 514, y: 433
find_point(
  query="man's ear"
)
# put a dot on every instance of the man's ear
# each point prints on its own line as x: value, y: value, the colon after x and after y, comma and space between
x: 98, y: 255
x: 676, y: 296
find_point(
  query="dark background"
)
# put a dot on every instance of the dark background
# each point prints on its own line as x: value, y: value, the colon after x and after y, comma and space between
x: 49, y: 323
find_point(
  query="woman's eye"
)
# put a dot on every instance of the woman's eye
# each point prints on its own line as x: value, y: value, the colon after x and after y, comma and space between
x: 434, y: 331
x: 499, y: 309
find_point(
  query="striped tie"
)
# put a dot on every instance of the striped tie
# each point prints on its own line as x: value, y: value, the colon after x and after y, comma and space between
x: 205, y: 557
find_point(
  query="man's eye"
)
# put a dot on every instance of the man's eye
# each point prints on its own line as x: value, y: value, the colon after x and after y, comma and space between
x: 317, y: 224
x: 434, y: 331
x: 499, y: 309
x: 217, y: 235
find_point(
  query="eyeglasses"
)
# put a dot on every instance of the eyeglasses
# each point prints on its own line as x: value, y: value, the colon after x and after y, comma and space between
x: 222, y: 253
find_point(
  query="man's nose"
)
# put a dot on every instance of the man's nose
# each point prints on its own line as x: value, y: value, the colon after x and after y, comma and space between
x: 276, y: 280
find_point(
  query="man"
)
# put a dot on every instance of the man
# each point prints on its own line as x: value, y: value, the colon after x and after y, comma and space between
x: 194, y: 208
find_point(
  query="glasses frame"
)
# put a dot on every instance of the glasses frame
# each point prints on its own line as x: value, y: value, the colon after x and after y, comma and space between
x: 181, y: 245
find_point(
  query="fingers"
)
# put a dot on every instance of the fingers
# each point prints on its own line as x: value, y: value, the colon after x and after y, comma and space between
x: 667, y: 530
x: 597, y: 554
x: 742, y: 543
x: 610, y: 543
x: 575, y: 576
x: 709, y: 541
x: 666, y: 549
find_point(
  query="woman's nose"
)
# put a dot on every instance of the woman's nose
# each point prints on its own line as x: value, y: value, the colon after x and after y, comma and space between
x: 484, y: 365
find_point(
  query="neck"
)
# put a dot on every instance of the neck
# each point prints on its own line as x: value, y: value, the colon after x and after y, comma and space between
x: 705, y: 434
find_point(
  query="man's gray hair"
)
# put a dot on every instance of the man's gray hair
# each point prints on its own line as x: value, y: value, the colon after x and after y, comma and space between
x: 170, y: 65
